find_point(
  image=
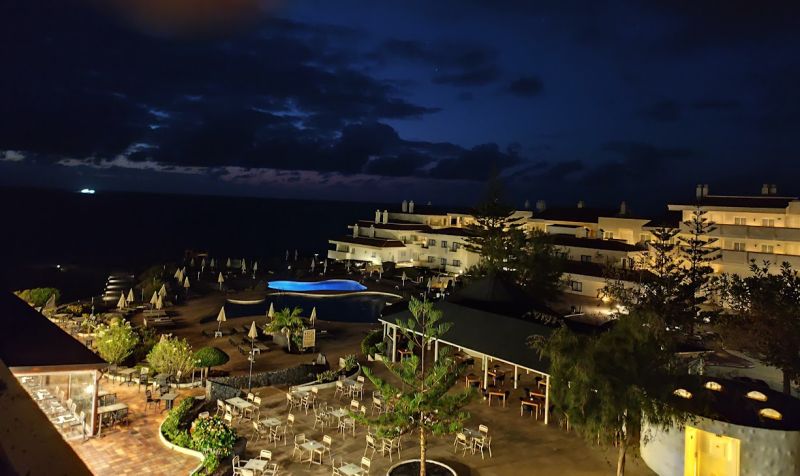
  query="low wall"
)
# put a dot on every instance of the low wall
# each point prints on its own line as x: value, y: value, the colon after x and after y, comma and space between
x: 223, y: 388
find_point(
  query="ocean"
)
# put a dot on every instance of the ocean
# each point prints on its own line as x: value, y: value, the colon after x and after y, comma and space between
x: 73, y: 241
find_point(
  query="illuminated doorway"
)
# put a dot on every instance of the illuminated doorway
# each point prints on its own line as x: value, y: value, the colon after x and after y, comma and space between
x: 708, y: 454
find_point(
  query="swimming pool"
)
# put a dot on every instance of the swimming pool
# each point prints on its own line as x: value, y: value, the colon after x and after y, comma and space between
x: 329, y: 285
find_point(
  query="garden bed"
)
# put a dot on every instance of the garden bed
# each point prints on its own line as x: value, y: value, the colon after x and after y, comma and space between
x: 411, y: 468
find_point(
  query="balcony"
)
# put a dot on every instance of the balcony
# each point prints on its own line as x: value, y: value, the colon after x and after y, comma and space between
x: 766, y: 233
x: 743, y: 258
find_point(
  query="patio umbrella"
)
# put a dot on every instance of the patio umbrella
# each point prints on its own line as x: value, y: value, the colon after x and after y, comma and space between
x: 430, y: 284
x: 244, y: 266
x: 324, y: 266
x: 130, y: 295
x: 313, y: 264
x: 403, y: 278
x: 255, y: 266
x: 159, y: 303
x: 186, y: 282
x: 163, y: 291
x: 203, y: 263
x: 122, y: 303
x: 221, y: 317
x: 287, y: 255
x: 220, y: 280
x: 295, y: 254
x: 271, y: 312
x: 228, y: 264
x: 213, y: 263
x: 191, y: 263
x: 313, y: 317
x: 177, y: 273
x: 253, y: 334
x: 154, y: 298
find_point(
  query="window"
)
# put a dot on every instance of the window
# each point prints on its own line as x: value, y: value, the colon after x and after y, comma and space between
x: 767, y: 249
x: 586, y: 258
x: 455, y: 246
x: 431, y: 242
x: 608, y: 235
x: 373, y: 254
x: 739, y: 221
x: 576, y: 286
x: 768, y: 222
x: 456, y: 262
x: 453, y: 221
x: 443, y: 261
x: 431, y: 259
x: 444, y: 244
x: 738, y: 246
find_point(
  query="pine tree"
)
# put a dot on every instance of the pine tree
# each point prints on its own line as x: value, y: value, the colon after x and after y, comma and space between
x: 424, y: 404
x: 697, y: 252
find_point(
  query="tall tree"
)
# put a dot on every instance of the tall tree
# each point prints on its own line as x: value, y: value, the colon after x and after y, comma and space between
x: 697, y: 252
x: 761, y: 316
x: 607, y: 385
x: 425, y: 403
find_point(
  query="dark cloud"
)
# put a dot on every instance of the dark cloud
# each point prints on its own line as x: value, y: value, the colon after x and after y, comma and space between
x: 526, y: 86
x: 403, y: 165
x: 465, y: 96
x: 661, y: 111
x: 477, y: 163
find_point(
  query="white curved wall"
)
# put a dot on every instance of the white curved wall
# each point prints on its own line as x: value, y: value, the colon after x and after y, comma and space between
x: 762, y: 452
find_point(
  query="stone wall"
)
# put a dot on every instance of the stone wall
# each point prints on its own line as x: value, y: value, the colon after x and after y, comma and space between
x: 223, y: 388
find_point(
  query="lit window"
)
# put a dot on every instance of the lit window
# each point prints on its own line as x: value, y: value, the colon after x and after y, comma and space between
x: 711, y: 385
x: 683, y: 393
x: 767, y: 249
x: 739, y: 246
x: 756, y: 395
x: 770, y: 413
x: 739, y: 221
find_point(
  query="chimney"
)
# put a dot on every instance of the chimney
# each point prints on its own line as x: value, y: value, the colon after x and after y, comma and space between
x: 765, y: 189
x: 541, y: 206
x: 623, y: 208
x: 355, y: 230
x: 377, y: 216
x: 580, y: 203
x: 404, y: 206
x: 698, y: 191
x: 372, y: 231
x: 773, y: 189
x: 705, y: 190
x: 385, y: 217
x: 411, y: 206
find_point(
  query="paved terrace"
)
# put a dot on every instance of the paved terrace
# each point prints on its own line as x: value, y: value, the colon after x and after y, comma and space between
x: 134, y: 449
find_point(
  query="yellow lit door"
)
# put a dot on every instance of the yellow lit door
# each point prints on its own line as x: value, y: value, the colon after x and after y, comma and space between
x: 707, y: 454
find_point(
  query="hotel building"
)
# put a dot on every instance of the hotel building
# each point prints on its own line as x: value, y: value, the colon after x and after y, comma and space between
x: 594, y: 240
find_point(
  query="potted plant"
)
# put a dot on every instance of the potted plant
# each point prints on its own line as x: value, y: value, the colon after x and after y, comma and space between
x: 424, y: 404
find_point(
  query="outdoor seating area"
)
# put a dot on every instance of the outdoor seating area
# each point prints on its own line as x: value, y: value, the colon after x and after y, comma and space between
x: 65, y: 408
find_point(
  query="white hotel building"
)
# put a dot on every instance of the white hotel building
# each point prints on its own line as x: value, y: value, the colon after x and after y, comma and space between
x: 760, y: 227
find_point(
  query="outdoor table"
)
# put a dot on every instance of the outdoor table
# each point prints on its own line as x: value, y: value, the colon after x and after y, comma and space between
x: 340, y: 413
x: 169, y: 398
x: 103, y: 395
x: 128, y: 374
x: 351, y: 470
x: 102, y: 411
x: 472, y: 435
x: 498, y: 394
x: 300, y: 393
x: 310, y: 446
x: 270, y: 422
x: 531, y: 402
x: 240, y: 404
x: 257, y: 465
x: 471, y: 379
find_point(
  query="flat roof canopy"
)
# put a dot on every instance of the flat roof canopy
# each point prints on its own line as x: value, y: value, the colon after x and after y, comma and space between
x: 494, y: 335
x: 31, y: 342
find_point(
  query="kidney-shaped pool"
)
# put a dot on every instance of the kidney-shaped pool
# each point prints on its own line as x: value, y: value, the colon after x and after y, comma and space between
x: 310, y: 286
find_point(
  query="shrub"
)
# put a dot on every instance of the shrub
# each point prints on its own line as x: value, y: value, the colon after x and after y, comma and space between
x: 147, y: 340
x: 210, y: 357
x: 212, y: 437
x: 76, y: 309
x: 369, y: 346
x: 171, y: 355
x: 172, y: 427
x: 116, y: 342
x: 37, y: 297
x: 327, y: 376
x: 350, y: 362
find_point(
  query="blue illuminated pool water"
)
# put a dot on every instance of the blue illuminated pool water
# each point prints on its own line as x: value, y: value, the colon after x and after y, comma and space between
x: 329, y: 285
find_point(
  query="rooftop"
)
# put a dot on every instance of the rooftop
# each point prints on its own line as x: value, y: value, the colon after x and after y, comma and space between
x: 31, y: 341
x: 574, y: 214
x: 733, y: 201
x: 375, y: 242
x: 594, y: 243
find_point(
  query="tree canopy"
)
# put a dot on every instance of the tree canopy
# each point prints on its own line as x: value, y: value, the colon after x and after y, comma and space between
x: 37, y: 297
x: 116, y: 341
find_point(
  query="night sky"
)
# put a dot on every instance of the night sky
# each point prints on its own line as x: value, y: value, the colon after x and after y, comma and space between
x: 386, y: 100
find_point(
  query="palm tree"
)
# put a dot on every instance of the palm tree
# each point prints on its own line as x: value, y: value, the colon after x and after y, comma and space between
x: 287, y: 321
